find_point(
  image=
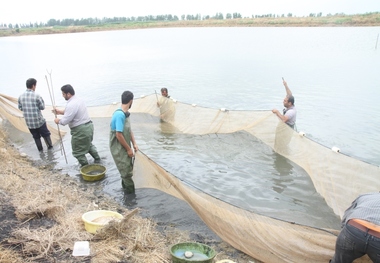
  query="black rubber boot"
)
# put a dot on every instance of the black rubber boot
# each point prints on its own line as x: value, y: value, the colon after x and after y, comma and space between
x: 39, y: 144
x: 48, y: 142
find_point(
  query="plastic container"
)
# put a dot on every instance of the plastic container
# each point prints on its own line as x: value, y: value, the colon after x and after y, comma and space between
x: 93, y: 172
x: 81, y: 248
x: 200, y: 253
x: 97, y: 219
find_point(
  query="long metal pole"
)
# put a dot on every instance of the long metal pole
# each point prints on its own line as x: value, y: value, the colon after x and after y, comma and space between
x: 55, y: 114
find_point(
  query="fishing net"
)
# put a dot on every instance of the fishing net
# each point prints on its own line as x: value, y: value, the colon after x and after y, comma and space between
x: 337, y: 178
x: 9, y: 111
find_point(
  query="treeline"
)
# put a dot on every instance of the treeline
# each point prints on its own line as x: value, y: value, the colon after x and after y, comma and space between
x: 150, y: 18
x: 106, y: 20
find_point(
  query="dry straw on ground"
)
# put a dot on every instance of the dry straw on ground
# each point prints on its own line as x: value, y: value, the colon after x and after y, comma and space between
x: 41, y: 211
x: 49, y: 206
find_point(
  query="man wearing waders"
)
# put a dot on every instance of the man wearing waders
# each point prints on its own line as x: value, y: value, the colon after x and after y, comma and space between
x: 121, y: 137
x: 81, y: 127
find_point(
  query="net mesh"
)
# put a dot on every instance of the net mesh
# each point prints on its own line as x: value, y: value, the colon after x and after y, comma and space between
x: 9, y: 111
x: 338, y: 178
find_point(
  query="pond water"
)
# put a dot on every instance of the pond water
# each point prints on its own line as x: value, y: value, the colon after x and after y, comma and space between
x: 333, y: 73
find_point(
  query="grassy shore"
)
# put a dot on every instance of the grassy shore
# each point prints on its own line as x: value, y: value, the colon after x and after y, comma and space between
x: 370, y: 19
x: 41, y: 210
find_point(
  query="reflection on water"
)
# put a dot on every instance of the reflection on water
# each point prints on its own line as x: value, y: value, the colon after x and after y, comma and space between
x: 236, y: 168
x: 284, y: 173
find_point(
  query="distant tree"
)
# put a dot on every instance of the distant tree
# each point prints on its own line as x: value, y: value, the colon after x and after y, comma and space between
x: 17, y: 26
x: 228, y: 16
x: 52, y: 22
x: 183, y: 17
x: 319, y: 14
x: 290, y: 14
x: 236, y: 15
x: 218, y: 16
x: 10, y: 26
x: 312, y: 15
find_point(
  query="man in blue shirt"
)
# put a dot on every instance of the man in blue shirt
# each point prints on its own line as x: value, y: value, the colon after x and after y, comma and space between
x: 121, y: 138
x: 31, y: 104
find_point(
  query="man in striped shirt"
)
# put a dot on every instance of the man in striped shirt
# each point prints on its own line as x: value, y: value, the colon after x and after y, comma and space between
x: 360, y: 232
x: 31, y: 104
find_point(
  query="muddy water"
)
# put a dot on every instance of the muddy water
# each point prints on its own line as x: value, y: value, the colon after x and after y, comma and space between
x: 236, y: 168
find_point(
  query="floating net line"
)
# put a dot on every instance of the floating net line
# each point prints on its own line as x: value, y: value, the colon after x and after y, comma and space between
x: 338, y: 178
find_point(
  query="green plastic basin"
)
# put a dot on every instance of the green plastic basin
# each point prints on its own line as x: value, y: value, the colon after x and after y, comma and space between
x: 93, y: 172
x: 200, y: 253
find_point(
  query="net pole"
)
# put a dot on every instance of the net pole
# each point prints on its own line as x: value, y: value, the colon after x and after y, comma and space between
x: 55, y: 114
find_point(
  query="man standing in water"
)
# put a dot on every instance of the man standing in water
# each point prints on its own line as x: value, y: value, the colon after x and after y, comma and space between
x: 81, y: 128
x: 31, y: 104
x: 165, y: 96
x: 289, y: 113
x: 166, y: 105
x: 121, y: 137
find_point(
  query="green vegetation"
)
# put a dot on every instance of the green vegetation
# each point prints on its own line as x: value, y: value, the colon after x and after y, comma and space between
x: 232, y: 20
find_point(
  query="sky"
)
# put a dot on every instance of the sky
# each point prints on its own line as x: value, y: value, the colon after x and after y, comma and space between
x: 27, y: 11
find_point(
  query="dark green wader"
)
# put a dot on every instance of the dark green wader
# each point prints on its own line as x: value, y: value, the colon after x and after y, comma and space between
x: 123, y: 162
x: 81, y: 143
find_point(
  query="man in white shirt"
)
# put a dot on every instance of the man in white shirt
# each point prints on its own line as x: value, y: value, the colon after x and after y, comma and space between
x: 289, y: 113
x: 82, y: 129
